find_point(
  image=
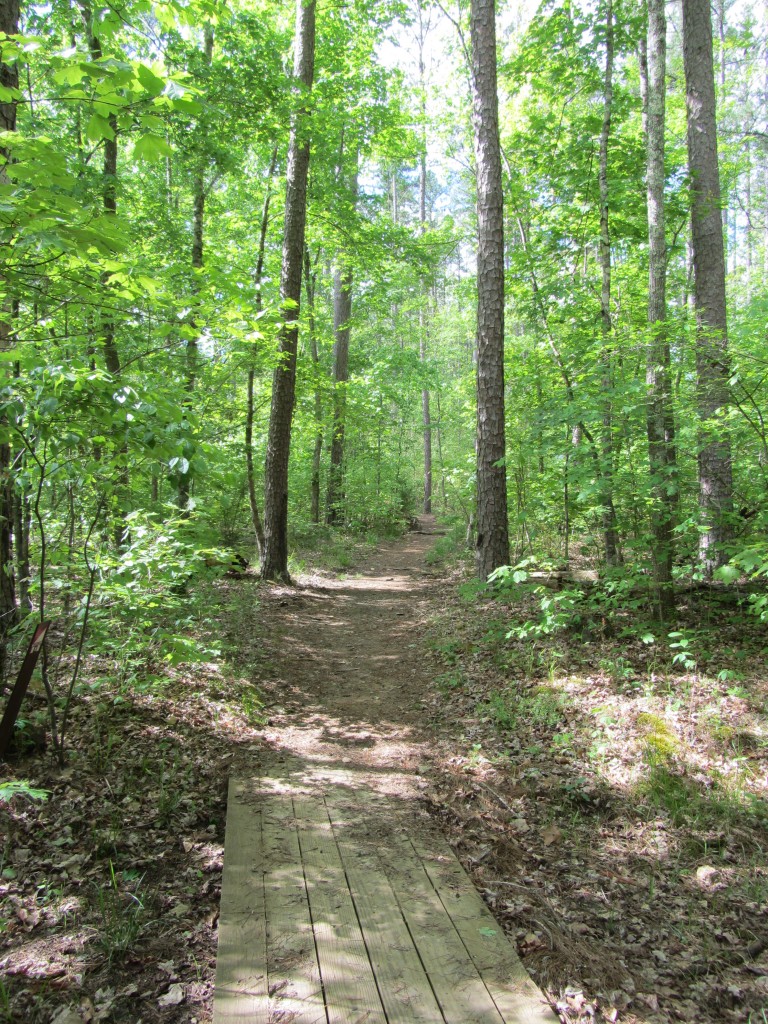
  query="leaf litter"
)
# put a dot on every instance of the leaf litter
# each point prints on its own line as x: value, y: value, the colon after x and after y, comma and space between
x: 591, y: 796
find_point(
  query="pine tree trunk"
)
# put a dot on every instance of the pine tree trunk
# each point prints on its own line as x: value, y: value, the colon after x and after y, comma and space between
x: 610, y: 533
x: 712, y: 363
x: 275, y: 560
x: 659, y: 414
x: 492, y: 521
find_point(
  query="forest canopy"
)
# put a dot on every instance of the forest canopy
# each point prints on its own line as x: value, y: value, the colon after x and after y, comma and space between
x: 148, y: 323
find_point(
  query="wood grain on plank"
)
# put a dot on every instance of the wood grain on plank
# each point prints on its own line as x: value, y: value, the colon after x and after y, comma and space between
x: 496, y: 959
x: 454, y: 979
x: 240, y: 993
x: 349, y: 983
x: 405, y: 988
x: 295, y: 989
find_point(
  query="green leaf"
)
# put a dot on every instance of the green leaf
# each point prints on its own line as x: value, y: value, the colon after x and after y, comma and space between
x: 151, y: 148
x: 727, y: 573
x: 99, y: 128
x: 150, y: 80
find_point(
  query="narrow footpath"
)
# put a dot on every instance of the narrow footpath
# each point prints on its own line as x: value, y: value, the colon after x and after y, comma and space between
x: 341, y: 902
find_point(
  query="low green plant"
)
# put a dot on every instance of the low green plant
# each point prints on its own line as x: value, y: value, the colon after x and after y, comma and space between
x: 452, y: 680
x: 21, y: 788
x: 540, y: 709
x: 683, y: 643
x: 170, y: 794
x: 660, y: 741
x: 122, y: 914
x: 252, y: 706
x: 5, y: 1003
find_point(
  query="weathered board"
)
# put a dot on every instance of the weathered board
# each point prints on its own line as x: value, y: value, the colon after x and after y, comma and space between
x: 330, y: 917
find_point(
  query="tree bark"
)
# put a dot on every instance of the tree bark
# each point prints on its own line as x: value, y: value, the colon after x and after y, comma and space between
x: 310, y: 280
x: 275, y: 561
x: 109, y: 191
x: 258, y: 275
x: 9, y: 79
x: 610, y: 532
x: 425, y: 410
x: 712, y: 363
x: 659, y: 413
x: 192, y: 351
x: 492, y: 522
x: 342, y: 313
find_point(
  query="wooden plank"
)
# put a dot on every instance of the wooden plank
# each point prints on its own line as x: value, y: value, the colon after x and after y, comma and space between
x: 295, y: 988
x: 512, y: 988
x: 404, y: 986
x: 454, y: 979
x: 240, y: 992
x: 349, y: 984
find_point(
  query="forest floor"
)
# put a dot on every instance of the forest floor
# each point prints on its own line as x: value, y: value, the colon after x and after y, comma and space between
x: 608, y: 802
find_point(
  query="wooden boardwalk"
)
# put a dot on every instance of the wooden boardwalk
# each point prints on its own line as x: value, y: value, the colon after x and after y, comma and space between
x: 332, y: 914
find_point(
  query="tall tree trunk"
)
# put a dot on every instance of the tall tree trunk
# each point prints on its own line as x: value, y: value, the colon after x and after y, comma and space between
x: 109, y: 191
x: 275, y: 560
x: 425, y: 411
x: 106, y: 321
x: 192, y: 351
x: 610, y: 533
x: 342, y: 313
x: 659, y: 415
x: 9, y: 79
x: 310, y: 281
x: 712, y: 363
x: 492, y: 520
x: 258, y: 275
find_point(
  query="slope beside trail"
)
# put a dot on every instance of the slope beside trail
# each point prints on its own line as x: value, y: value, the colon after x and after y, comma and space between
x: 348, y: 670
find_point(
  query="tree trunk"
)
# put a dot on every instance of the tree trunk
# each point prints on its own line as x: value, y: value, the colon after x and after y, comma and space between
x: 492, y: 521
x: 192, y: 351
x: 109, y: 190
x: 258, y: 275
x: 275, y: 560
x: 712, y: 364
x: 342, y: 313
x: 425, y: 411
x: 310, y: 280
x: 659, y: 415
x: 610, y: 534
x: 9, y: 79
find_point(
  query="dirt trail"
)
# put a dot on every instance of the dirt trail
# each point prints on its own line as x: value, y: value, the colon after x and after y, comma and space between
x: 351, y: 668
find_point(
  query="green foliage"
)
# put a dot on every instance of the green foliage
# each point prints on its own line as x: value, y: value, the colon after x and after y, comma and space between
x: 123, y: 914
x: 21, y: 788
x: 542, y: 708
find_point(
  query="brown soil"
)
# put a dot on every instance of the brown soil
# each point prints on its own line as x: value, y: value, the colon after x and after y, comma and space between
x: 616, y: 912
x: 352, y: 671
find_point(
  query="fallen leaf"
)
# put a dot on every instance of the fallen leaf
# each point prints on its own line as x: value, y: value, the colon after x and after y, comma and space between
x: 706, y: 873
x: 66, y: 1015
x: 551, y: 834
x: 172, y: 997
